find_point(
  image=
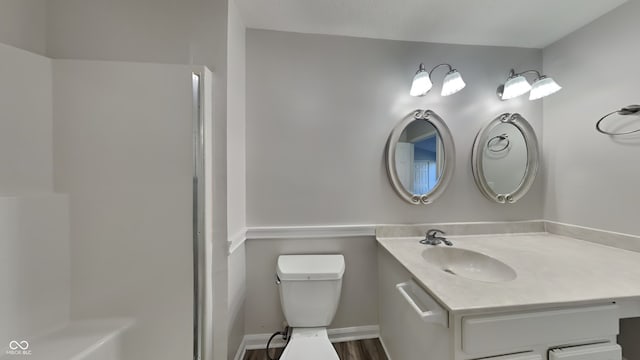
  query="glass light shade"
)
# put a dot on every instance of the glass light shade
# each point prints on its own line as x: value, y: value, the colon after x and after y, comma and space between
x: 515, y: 87
x: 421, y: 84
x: 542, y: 87
x: 452, y: 83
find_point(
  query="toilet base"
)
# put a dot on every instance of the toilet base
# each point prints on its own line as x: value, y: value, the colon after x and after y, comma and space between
x: 309, y: 344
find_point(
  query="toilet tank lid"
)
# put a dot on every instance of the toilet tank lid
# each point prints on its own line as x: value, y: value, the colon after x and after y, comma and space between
x: 310, y: 267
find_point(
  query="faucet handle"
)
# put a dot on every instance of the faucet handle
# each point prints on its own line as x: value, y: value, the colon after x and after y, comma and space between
x: 434, y: 233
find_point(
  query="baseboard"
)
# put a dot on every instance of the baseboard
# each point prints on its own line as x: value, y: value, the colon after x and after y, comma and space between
x: 259, y: 341
x: 242, y: 350
x: 384, y: 347
x: 354, y: 333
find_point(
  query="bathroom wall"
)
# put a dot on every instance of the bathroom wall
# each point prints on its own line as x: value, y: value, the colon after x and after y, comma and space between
x: 139, y: 30
x: 591, y: 179
x: 123, y: 153
x: 34, y: 226
x: 236, y: 126
x: 26, y: 144
x: 319, y: 111
x: 358, y: 303
x: 237, y: 298
x: 23, y: 24
x: 236, y: 173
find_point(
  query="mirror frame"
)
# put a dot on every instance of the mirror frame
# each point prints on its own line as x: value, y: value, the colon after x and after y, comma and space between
x: 529, y: 177
x: 448, y: 158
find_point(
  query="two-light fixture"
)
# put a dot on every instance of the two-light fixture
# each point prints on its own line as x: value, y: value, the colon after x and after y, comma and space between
x: 422, y: 81
x: 517, y: 85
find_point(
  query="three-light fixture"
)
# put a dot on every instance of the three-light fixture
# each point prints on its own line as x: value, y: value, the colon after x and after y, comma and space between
x: 517, y: 85
x: 422, y: 81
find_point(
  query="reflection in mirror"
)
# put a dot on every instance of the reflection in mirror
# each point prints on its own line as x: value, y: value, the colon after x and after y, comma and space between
x: 420, y: 157
x: 505, y: 158
x: 417, y: 161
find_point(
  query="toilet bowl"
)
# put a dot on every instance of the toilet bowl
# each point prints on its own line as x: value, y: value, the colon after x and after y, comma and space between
x: 309, y: 344
x: 310, y: 287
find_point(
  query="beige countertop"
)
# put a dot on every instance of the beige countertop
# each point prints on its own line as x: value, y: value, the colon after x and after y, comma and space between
x: 552, y: 270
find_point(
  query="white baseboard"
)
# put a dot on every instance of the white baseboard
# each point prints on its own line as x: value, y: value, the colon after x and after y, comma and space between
x: 259, y: 341
x: 384, y: 347
x: 242, y: 349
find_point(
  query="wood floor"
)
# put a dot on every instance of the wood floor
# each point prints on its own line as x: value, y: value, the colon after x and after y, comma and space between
x: 369, y: 349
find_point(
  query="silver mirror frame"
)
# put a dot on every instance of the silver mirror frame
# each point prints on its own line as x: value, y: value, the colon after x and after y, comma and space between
x: 532, y: 158
x: 448, y: 162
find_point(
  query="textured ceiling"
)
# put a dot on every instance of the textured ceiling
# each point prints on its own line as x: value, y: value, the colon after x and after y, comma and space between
x: 521, y: 23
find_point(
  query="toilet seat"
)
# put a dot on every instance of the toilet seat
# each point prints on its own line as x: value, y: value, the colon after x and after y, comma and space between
x: 309, y: 344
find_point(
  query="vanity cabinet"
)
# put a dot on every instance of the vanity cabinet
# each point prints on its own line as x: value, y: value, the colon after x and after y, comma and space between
x: 413, y: 326
x: 404, y: 333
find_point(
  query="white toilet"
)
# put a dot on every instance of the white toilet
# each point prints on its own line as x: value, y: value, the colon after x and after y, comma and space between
x: 310, y: 288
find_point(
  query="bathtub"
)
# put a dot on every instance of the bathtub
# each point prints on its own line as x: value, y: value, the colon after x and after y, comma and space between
x: 99, y: 339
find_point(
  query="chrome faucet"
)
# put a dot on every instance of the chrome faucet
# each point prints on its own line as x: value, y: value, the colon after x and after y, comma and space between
x: 434, y: 237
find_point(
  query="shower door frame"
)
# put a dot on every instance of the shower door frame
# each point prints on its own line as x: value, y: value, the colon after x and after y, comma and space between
x: 198, y: 212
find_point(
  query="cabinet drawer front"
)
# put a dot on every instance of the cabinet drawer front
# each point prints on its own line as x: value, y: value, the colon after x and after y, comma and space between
x: 483, y: 334
x: 590, y: 352
x: 514, y: 357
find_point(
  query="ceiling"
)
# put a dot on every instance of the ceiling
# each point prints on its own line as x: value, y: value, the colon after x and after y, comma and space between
x: 521, y: 23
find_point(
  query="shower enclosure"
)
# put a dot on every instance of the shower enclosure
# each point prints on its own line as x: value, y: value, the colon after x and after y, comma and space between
x: 103, y: 202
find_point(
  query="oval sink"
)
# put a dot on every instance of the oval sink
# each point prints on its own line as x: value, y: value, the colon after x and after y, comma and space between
x: 469, y: 264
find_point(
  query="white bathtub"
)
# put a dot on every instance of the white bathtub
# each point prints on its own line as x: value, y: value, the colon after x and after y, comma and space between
x: 99, y: 339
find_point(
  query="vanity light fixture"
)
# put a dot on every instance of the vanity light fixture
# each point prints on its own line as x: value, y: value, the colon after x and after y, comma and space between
x: 517, y: 85
x: 422, y: 81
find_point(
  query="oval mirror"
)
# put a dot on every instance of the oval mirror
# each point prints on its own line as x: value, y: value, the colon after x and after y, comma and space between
x: 505, y: 158
x: 420, y: 157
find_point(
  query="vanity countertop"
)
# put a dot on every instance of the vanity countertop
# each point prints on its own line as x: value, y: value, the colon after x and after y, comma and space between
x: 552, y: 270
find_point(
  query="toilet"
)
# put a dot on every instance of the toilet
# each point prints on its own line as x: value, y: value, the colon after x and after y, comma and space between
x: 310, y: 287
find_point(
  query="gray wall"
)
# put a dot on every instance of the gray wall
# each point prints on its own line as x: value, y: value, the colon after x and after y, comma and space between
x: 320, y: 109
x: 140, y: 30
x: 236, y: 127
x: 23, y: 24
x: 26, y: 142
x: 592, y: 179
x: 358, y: 303
x: 236, y: 172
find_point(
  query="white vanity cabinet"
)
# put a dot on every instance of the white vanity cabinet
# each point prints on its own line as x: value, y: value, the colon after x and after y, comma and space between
x: 414, y: 326
x: 403, y: 332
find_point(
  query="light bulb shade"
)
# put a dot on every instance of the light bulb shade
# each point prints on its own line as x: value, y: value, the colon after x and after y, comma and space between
x: 514, y: 87
x: 542, y: 87
x: 421, y: 83
x: 452, y: 83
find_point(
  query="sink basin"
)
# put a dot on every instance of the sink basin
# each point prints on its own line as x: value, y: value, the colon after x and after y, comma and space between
x: 468, y: 264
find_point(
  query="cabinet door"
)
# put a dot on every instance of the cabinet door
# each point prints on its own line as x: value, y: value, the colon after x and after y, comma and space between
x: 404, y: 333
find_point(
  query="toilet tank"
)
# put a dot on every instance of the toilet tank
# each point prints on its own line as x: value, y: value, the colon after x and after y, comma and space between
x: 310, y: 287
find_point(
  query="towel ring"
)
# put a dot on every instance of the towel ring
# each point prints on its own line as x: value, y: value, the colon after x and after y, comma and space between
x: 496, y: 140
x: 627, y: 110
